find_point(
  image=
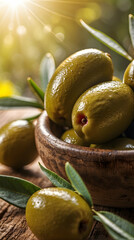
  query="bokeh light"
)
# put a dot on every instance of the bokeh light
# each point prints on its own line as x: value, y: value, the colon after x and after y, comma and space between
x: 31, y: 28
x: 7, y: 88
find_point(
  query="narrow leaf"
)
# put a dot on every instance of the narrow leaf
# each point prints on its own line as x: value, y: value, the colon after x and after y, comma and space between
x: 36, y: 89
x: 55, y: 179
x: 106, y: 40
x: 96, y: 218
x: 78, y: 183
x: 117, y: 227
x: 18, y: 102
x: 16, y: 191
x: 47, y: 68
x: 32, y: 118
x: 131, y: 28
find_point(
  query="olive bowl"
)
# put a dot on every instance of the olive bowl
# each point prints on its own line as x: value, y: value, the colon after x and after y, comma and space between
x: 108, y: 174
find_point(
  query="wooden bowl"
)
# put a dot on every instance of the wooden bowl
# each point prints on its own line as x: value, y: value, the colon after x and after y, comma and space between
x: 108, y: 174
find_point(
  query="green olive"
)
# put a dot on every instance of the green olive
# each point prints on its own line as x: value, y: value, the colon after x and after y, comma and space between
x: 116, y: 144
x: 74, y: 75
x: 128, y: 77
x: 58, y: 214
x: 116, y: 79
x: 103, y: 112
x: 70, y: 136
x: 17, y: 144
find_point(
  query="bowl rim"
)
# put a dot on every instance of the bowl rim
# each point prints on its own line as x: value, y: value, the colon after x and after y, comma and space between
x: 44, y: 127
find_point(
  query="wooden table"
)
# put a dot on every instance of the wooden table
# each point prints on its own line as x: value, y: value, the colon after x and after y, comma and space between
x: 13, y: 224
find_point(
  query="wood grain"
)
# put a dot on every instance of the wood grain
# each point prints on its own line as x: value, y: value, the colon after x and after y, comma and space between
x: 13, y: 224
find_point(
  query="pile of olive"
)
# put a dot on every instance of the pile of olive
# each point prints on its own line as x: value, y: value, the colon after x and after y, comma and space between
x: 84, y: 97
x: 97, y: 107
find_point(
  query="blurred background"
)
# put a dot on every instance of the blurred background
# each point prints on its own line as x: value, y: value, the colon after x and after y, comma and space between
x: 31, y: 28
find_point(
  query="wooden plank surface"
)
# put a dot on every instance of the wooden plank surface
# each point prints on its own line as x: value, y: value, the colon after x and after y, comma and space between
x: 13, y: 224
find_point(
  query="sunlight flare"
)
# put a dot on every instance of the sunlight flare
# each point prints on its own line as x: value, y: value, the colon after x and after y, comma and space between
x: 14, y: 4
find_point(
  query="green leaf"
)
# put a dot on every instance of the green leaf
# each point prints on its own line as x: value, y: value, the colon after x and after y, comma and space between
x: 117, y: 227
x: 131, y: 28
x: 78, y: 183
x: 32, y: 118
x: 36, y: 90
x: 96, y: 218
x: 16, y: 191
x: 55, y: 179
x: 47, y: 68
x: 18, y: 102
x: 106, y: 40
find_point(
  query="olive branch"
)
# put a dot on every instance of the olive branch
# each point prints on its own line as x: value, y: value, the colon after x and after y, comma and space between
x: 17, y: 191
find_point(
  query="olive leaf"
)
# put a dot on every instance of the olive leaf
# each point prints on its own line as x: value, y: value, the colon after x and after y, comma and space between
x: 131, y: 28
x: 106, y: 40
x: 117, y: 227
x: 78, y: 183
x: 36, y: 89
x: 47, y: 68
x: 32, y: 118
x: 55, y: 179
x: 18, y: 102
x: 16, y: 191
